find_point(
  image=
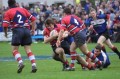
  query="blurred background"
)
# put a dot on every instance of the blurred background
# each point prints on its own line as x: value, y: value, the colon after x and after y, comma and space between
x: 42, y: 9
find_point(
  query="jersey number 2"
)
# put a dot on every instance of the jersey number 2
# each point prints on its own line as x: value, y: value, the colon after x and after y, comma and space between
x: 20, y: 18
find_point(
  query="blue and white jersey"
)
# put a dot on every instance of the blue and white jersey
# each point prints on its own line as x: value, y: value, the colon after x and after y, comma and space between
x: 100, y: 24
x: 103, y: 57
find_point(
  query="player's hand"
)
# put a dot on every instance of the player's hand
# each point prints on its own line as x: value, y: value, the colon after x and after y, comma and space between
x: 32, y: 32
x: 58, y: 43
x: 108, y: 27
x: 90, y: 28
x: 65, y: 34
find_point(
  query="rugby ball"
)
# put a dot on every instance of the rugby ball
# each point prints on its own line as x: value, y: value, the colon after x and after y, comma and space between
x: 53, y: 32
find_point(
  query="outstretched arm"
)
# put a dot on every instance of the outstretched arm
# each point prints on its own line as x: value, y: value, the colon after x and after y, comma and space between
x: 5, y: 31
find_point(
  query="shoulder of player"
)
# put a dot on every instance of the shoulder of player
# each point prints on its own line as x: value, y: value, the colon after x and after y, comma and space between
x: 46, y: 30
x: 102, y: 16
x: 12, y: 9
x: 58, y: 25
x: 66, y: 17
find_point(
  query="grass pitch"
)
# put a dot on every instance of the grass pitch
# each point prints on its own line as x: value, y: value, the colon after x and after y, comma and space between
x: 50, y: 69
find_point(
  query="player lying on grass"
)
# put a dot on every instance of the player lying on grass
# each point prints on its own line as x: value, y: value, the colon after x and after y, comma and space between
x: 101, y: 55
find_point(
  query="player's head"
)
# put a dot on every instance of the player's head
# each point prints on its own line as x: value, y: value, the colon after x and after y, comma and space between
x: 11, y: 3
x: 97, y: 49
x: 49, y: 23
x: 93, y: 13
x: 56, y: 18
x: 67, y: 11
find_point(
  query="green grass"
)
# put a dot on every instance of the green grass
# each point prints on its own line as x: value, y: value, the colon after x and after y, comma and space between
x: 50, y: 69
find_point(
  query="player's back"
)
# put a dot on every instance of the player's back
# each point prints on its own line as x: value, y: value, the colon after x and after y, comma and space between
x: 13, y: 11
x: 17, y: 17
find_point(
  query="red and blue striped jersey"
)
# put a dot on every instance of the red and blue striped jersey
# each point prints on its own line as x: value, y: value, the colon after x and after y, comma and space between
x: 17, y: 17
x: 72, y: 23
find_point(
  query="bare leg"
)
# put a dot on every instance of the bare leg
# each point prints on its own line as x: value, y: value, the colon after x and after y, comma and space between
x: 111, y: 46
x: 17, y: 56
x: 31, y: 58
x: 85, y: 50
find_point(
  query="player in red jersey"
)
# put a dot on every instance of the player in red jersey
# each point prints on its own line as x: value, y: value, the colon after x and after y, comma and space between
x: 76, y: 28
x: 64, y: 48
x: 19, y: 19
x: 59, y: 52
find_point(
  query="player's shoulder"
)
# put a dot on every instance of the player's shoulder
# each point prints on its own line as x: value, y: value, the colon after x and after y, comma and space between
x: 102, y: 16
x: 58, y: 25
x: 66, y: 17
x: 45, y: 30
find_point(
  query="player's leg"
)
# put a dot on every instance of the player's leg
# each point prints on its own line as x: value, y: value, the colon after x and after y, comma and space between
x: 73, y: 55
x: 80, y: 41
x: 16, y: 41
x: 56, y: 57
x: 80, y: 59
x: 31, y: 57
x: 26, y: 42
x: 114, y: 49
x: 100, y: 41
x: 18, y: 57
x: 89, y: 54
x: 61, y: 54
x: 83, y: 63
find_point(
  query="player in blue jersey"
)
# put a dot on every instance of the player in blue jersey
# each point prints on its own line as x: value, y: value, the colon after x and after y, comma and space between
x: 100, y: 24
x: 101, y: 55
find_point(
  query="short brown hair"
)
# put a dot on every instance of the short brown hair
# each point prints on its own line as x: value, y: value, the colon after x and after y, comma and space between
x: 92, y: 9
x: 49, y: 21
x: 98, y: 46
x: 67, y: 11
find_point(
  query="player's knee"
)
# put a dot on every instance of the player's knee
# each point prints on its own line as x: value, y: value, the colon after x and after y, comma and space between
x: 56, y: 57
x: 59, y: 50
x: 99, y: 44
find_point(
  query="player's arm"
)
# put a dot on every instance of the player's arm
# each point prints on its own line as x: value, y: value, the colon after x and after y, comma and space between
x: 32, y: 19
x: 61, y: 32
x: 6, y: 22
x: 33, y: 27
x: 48, y: 39
x: 60, y: 35
x: 5, y: 31
x: 108, y: 22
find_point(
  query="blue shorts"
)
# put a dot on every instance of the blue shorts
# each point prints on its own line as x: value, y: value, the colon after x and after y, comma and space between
x: 21, y: 36
x: 69, y: 39
x: 80, y: 38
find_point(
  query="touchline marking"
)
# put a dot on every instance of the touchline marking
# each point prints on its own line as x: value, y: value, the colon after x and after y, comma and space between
x: 7, y: 59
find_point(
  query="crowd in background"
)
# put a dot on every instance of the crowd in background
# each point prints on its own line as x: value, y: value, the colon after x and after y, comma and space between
x: 43, y: 11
